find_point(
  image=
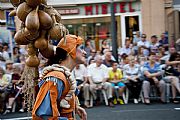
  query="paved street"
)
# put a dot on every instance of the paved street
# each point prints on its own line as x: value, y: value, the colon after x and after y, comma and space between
x: 122, y: 112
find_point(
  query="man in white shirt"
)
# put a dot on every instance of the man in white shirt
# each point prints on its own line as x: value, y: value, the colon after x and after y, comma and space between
x: 98, y: 76
x: 80, y: 74
x: 144, y: 44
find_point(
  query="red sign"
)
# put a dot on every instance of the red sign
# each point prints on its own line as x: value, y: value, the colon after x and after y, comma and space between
x: 68, y: 11
x: 103, y: 8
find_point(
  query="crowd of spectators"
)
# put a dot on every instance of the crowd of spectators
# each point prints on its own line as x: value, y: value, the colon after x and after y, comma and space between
x: 141, y: 64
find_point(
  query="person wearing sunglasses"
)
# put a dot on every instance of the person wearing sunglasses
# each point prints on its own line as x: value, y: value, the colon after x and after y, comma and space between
x: 144, y: 44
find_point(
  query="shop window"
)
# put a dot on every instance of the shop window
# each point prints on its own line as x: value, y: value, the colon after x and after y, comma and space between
x: 96, y: 31
x: 132, y: 25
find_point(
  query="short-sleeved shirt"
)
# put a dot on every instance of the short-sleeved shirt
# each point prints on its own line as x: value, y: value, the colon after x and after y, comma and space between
x: 145, y: 43
x: 154, y: 47
x: 163, y: 42
x: 80, y: 73
x: 118, y: 74
x: 97, y: 73
x: 150, y: 69
x: 131, y: 71
x: 125, y: 50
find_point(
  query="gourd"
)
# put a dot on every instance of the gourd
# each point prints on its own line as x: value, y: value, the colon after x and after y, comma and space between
x: 41, y: 43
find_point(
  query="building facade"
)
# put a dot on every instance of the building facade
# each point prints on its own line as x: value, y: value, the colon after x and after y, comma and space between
x: 92, y: 19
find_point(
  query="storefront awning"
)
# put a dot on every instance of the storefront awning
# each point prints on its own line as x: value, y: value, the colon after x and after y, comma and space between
x: 176, y: 4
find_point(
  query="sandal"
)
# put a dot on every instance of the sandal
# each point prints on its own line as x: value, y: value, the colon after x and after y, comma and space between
x: 175, y: 101
x: 146, y: 101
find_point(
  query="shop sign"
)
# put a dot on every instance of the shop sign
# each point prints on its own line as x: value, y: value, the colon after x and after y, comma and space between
x: 68, y: 11
x: 10, y: 23
x: 105, y: 8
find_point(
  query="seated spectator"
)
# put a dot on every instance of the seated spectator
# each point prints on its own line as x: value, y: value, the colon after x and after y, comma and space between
x: 115, y: 78
x: 154, y: 45
x: 80, y: 74
x: 162, y: 52
x: 136, y: 39
x: 164, y: 41
x: 5, y: 52
x: 127, y: 48
x: 107, y: 61
x: 153, y: 76
x: 172, y: 62
x: 16, y: 55
x: 107, y: 51
x: 4, y: 86
x: 92, y: 55
x: 132, y: 75
x: 124, y: 61
x: 104, y: 46
x: 9, y: 67
x: 16, y: 89
x: 88, y: 48
x: 98, y: 76
x: 144, y: 45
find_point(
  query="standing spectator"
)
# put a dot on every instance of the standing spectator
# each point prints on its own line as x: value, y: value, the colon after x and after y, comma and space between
x: 115, y: 78
x: 88, y: 48
x: 153, y: 76
x: 154, y: 46
x: 136, y: 39
x: 104, y: 46
x: 144, y: 44
x: 164, y: 41
x: 127, y: 48
x: 98, y: 76
x: 132, y: 74
x: 6, y: 52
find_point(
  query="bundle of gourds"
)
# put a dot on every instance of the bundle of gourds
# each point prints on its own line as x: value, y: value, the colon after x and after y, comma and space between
x: 40, y: 24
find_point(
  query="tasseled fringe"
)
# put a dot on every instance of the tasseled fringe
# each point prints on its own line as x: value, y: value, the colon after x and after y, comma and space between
x: 30, y: 75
